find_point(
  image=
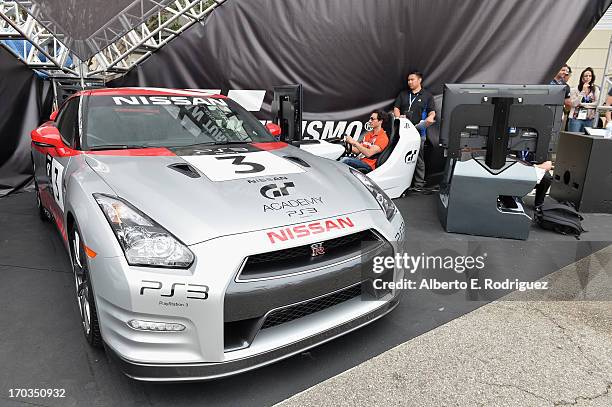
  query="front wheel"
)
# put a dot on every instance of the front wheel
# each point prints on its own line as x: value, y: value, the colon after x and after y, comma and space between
x: 84, y: 291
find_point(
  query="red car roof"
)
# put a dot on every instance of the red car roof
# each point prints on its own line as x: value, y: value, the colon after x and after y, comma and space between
x: 146, y: 91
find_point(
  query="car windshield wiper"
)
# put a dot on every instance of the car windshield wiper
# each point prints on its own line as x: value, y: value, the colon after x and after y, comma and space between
x: 119, y: 147
x: 213, y: 143
x: 220, y: 143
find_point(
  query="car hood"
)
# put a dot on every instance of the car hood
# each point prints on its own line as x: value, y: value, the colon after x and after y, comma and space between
x: 201, y: 194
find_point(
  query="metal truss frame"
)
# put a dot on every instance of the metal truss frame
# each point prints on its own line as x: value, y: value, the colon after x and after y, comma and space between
x: 119, y: 53
x: 146, y: 38
x: 46, y: 53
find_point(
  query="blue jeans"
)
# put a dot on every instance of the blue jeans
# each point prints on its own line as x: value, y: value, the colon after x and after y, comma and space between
x: 578, y: 125
x: 356, y: 163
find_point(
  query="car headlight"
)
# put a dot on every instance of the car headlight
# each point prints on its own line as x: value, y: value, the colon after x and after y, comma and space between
x: 144, y: 242
x: 386, y: 204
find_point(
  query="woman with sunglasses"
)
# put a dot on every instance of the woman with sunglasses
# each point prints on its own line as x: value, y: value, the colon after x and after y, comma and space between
x: 583, y: 100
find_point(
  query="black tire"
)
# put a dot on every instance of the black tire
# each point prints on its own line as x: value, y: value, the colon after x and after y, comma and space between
x: 84, y: 290
x: 42, y: 212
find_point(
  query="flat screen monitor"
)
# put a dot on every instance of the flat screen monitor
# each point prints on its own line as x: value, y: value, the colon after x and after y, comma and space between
x: 499, y: 119
x: 287, y: 111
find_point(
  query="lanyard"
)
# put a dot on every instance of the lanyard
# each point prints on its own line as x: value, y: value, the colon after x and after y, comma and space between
x: 411, y: 99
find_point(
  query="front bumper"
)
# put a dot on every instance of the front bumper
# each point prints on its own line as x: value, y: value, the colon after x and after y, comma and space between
x: 208, y: 371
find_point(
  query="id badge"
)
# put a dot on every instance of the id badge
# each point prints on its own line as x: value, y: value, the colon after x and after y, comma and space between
x: 582, y: 114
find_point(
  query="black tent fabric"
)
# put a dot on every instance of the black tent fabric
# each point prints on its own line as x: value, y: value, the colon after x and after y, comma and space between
x: 352, y: 55
x: 23, y: 96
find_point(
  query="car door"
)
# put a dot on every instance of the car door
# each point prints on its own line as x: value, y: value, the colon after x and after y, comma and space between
x: 51, y: 165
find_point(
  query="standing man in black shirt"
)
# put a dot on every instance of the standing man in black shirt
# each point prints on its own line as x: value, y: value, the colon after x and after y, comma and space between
x: 417, y: 105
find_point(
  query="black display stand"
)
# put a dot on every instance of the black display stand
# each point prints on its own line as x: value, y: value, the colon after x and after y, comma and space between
x: 583, y: 172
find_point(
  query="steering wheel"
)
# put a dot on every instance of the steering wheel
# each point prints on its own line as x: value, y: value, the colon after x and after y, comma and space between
x: 341, y: 140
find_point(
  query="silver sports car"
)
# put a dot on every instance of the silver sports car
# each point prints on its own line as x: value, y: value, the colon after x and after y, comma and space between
x: 201, y: 246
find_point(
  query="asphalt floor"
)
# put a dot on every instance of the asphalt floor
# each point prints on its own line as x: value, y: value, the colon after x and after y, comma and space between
x: 527, y: 349
x: 41, y: 343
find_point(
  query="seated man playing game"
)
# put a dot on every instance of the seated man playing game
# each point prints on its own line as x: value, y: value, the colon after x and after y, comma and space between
x: 543, y: 173
x: 374, y: 142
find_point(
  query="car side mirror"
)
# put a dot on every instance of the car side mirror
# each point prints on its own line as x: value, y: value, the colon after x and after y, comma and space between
x: 48, y: 136
x: 53, y: 115
x: 274, y: 129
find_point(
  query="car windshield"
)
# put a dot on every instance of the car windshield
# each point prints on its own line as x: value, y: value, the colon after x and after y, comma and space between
x: 150, y: 121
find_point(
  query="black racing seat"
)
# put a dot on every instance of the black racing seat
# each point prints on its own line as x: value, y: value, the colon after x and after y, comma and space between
x: 393, y: 139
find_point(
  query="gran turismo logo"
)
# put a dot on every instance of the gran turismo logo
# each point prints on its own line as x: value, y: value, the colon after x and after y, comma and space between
x: 273, y: 191
x: 410, y: 156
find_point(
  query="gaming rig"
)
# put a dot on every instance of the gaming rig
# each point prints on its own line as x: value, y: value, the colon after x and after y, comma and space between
x: 482, y: 126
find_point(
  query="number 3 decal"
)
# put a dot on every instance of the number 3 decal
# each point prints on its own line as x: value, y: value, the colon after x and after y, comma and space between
x: 237, y: 166
x: 239, y: 160
x: 55, y: 172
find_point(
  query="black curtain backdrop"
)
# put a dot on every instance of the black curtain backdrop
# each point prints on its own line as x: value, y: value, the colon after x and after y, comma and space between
x: 351, y: 56
x: 23, y: 98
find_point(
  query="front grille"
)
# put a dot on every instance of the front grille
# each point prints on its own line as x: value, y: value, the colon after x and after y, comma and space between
x: 285, y: 260
x: 310, y: 307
